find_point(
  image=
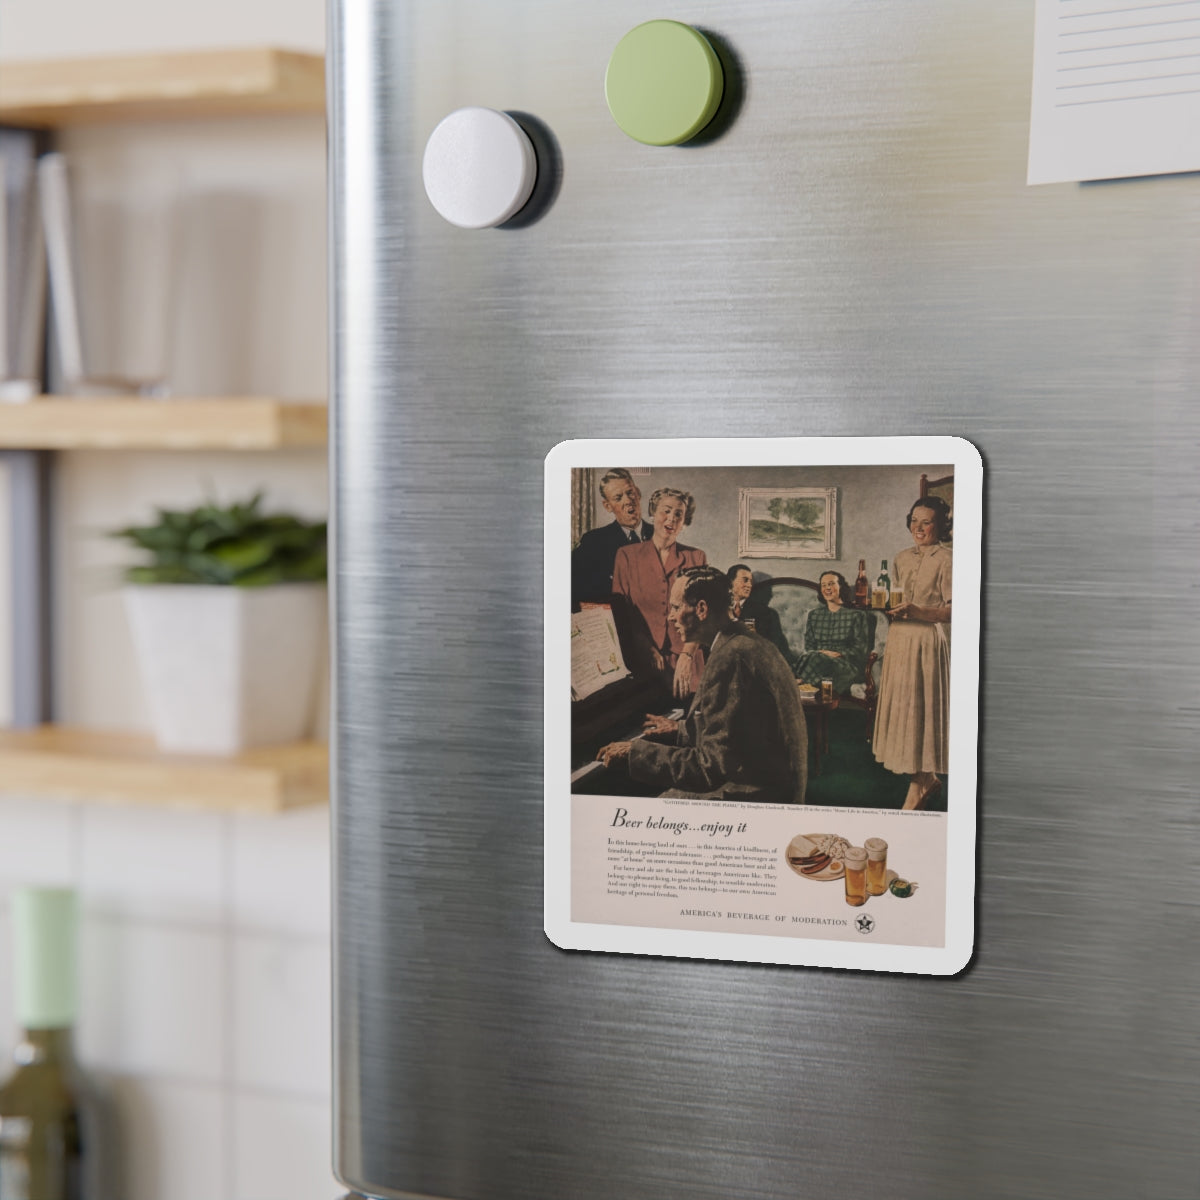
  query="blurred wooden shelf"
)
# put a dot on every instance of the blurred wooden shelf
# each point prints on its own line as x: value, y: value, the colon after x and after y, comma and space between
x: 225, y: 423
x: 213, y: 83
x: 81, y: 764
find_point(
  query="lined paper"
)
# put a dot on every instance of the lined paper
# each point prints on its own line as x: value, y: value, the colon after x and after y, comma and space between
x: 1116, y: 89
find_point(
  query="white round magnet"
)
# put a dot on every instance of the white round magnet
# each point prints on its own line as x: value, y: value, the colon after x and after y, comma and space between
x: 479, y: 168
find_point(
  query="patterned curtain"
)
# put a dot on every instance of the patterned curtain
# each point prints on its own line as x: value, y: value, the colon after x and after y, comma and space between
x: 583, y: 502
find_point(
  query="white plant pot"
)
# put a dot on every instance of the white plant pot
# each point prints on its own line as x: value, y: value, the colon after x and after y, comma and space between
x: 227, y: 668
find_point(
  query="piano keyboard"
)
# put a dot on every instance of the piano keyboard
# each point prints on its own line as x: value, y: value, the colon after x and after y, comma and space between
x: 590, y: 768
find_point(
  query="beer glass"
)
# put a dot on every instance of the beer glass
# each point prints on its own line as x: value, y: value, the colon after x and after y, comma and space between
x: 855, y: 864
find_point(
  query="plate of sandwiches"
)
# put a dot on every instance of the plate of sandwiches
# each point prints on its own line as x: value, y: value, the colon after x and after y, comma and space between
x: 817, y: 855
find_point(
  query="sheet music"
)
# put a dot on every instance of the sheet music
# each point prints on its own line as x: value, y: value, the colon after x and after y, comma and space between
x: 596, y: 659
x: 1116, y: 89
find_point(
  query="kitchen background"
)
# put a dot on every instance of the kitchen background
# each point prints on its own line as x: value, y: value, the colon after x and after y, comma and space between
x: 205, y: 943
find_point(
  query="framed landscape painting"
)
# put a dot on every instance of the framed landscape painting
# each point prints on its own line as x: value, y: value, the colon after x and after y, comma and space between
x: 798, y: 522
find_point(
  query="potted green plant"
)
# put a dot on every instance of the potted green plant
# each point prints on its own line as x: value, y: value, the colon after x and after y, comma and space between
x: 228, y: 622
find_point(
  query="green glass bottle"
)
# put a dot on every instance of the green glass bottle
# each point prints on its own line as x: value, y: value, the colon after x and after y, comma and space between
x: 41, y: 1103
x: 882, y: 589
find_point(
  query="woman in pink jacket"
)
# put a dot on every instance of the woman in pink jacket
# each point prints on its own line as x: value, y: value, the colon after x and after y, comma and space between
x: 642, y: 577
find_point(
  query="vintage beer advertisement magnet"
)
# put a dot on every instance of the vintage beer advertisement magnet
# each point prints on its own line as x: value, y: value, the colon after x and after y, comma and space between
x: 761, y: 699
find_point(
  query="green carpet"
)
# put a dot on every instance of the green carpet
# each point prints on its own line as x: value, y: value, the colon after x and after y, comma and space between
x: 850, y: 777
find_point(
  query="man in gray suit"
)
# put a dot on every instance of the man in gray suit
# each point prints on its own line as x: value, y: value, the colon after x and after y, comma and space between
x: 744, y: 737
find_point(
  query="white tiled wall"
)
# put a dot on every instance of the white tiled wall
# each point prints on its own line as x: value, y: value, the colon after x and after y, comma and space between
x: 205, y: 989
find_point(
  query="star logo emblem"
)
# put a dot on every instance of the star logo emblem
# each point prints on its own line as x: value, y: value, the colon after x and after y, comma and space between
x: 864, y: 923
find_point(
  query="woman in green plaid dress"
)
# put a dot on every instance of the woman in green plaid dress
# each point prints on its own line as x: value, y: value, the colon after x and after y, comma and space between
x: 836, y: 639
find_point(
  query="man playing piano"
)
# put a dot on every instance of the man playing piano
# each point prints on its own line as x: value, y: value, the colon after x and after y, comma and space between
x: 744, y: 737
x: 592, y: 560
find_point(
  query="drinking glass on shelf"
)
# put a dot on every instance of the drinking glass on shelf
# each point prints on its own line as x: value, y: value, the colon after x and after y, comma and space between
x: 112, y: 245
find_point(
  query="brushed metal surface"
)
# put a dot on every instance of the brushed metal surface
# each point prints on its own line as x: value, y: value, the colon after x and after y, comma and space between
x: 856, y: 254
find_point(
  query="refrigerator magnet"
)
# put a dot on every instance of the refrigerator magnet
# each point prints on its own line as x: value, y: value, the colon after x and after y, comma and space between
x: 771, y: 652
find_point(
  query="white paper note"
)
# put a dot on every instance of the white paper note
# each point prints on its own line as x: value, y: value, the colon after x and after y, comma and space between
x: 1116, y: 89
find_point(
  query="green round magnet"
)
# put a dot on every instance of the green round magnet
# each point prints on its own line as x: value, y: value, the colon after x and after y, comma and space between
x: 664, y: 82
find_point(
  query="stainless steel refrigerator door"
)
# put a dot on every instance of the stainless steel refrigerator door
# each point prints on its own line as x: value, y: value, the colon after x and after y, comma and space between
x: 857, y: 253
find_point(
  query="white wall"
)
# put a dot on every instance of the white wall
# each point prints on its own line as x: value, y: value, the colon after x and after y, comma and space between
x: 206, y: 936
x: 872, y: 510
x: 66, y: 28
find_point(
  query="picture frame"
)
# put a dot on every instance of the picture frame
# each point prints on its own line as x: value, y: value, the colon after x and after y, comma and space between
x: 795, y: 522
